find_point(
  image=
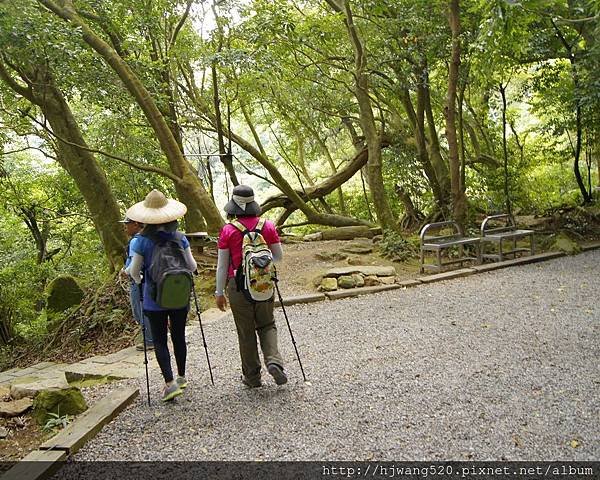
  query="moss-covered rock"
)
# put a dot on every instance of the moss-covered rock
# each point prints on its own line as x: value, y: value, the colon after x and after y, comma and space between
x: 346, y: 281
x: 61, y: 401
x: 329, y: 284
x: 564, y: 244
x: 63, y: 293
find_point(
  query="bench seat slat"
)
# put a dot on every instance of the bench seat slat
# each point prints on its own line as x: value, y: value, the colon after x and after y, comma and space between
x: 445, y: 243
x: 511, y: 234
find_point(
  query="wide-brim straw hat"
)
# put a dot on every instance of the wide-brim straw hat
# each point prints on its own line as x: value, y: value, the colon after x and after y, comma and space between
x: 156, y: 209
x: 242, y: 202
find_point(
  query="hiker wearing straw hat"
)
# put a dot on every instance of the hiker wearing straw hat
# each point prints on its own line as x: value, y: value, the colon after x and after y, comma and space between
x: 133, y: 229
x: 166, y: 306
x: 252, y: 317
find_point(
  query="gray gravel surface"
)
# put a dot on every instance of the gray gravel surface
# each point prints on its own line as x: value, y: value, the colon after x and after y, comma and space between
x: 495, y: 366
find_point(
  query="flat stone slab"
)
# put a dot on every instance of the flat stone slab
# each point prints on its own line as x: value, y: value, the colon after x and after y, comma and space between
x: 6, y: 379
x: 38, y: 465
x: 14, y: 408
x: 89, y: 423
x: 36, y: 384
x: 91, y: 371
x: 438, y: 277
x: 43, y: 365
x: 355, y: 292
x: 357, y: 249
x: 308, y: 298
x: 363, y: 269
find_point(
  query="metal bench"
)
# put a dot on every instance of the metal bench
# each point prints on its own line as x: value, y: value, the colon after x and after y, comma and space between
x: 441, y: 242
x: 499, y: 229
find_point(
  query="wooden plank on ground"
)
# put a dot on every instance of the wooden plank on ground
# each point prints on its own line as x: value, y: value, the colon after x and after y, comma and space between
x: 355, y: 292
x: 307, y: 298
x: 38, y: 465
x: 88, y: 424
x: 438, y: 277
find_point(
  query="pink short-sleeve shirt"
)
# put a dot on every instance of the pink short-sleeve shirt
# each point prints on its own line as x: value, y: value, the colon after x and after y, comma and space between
x: 230, y: 239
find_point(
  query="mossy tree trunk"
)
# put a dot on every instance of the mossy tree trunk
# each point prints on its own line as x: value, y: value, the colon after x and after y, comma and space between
x: 189, y: 188
x: 459, y: 201
x: 78, y: 162
x: 373, y: 136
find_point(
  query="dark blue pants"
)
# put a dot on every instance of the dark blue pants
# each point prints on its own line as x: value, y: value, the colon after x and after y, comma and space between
x: 158, y: 325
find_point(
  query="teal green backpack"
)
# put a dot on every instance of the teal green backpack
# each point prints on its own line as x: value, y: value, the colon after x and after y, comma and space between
x: 171, y: 280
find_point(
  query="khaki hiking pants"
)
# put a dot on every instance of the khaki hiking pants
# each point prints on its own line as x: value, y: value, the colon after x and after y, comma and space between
x: 252, y: 319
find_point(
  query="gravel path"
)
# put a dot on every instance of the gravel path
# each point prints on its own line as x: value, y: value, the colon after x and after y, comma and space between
x: 428, y: 373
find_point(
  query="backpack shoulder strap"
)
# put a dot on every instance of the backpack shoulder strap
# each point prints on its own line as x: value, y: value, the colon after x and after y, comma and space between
x: 260, y: 225
x: 237, y: 224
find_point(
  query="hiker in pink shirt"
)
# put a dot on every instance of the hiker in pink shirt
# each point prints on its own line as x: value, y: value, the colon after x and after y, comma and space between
x: 252, y: 318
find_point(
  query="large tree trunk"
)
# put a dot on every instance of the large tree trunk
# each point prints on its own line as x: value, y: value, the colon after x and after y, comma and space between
x: 79, y: 163
x: 189, y: 188
x: 417, y: 121
x: 435, y: 155
x: 505, y: 152
x: 325, y: 187
x: 367, y: 119
x: 459, y: 202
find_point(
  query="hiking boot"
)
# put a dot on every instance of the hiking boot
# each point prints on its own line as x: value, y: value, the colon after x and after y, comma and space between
x: 182, y: 382
x: 249, y: 384
x: 140, y: 347
x: 170, y: 392
x: 277, y: 373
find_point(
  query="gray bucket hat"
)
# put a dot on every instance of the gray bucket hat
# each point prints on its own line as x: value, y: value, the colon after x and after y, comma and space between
x: 242, y: 202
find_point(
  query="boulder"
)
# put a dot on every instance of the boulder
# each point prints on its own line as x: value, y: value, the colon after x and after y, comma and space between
x: 66, y: 401
x: 387, y: 280
x: 563, y: 243
x: 329, y: 284
x: 371, y: 280
x: 63, y: 293
x: 31, y: 386
x: 313, y: 237
x: 347, y: 233
x: 379, y: 271
x: 346, y: 281
x: 358, y: 279
x: 14, y: 408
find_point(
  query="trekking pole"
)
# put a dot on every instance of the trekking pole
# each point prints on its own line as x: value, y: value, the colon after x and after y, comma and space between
x: 143, y: 324
x: 202, y: 332
x: 276, y: 280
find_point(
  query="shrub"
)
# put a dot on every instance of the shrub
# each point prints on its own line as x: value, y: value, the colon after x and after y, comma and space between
x: 397, y: 248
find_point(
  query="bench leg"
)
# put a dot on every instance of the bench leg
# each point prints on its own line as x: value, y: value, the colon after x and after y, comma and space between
x: 532, y: 243
x: 439, y: 260
x: 514, y: 247
x: 500, y: 254
x: 422, y: 268
x: 479, y: 255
